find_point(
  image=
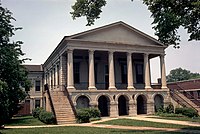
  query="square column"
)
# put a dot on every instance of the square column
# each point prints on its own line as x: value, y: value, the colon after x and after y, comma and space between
x: 56, y: 76
x: 163, y: 72
x: 129, y: 71
x: 111, y: 71
x: 70, y: 71
x: 91, y: 71
x: 146, y: 71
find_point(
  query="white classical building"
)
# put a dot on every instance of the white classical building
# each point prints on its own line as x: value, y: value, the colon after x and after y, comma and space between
x: 108, y: 68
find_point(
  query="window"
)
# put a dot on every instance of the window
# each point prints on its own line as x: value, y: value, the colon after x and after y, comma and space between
x: 37, y: 85
x: 139, y: 73
x: 124, y: 73
x: 76, y: 73
x: 198, y: 93
x: 37, y: 103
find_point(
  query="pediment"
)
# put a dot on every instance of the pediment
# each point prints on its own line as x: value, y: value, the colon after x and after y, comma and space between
x: 120, y: 33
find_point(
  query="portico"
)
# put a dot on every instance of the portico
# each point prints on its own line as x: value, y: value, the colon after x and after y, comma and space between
x: 109, y: 68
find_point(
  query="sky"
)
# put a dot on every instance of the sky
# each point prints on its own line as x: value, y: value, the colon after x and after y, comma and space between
x: 46, y: 22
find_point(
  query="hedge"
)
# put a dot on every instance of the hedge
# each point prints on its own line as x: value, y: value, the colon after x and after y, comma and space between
x: 186, y: 111
x: 44, y: 116
x: 86, y: 114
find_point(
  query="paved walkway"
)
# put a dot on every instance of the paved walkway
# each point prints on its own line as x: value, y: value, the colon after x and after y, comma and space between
x: 144, y: 118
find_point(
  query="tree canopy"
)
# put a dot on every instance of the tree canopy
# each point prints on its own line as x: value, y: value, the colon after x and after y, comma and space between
x: 180, y: 74
x: 13, y: 76
x: 168, y: 15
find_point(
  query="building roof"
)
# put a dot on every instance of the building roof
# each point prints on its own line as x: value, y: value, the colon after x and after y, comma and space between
x: 185, y: 85
x: 34, y: 68
x: 81, y: 37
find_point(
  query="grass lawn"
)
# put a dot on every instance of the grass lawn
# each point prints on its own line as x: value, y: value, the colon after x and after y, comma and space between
x: 195, y: 119
x: 78, y: 130
x: 131, y: 122
x: 24, y: 121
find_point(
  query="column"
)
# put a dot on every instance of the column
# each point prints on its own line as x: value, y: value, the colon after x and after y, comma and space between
x: 56, y: 76
x: 61, y: 83
x: 147, y: 72
x: 91, y: 70
x: 111, y: 72
x: 163, y: 73
x: 70, y: 72
x: 129, y: 71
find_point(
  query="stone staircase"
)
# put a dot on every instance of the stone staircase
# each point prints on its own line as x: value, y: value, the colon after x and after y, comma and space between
x: 183, y: 100
x: 62, y: 107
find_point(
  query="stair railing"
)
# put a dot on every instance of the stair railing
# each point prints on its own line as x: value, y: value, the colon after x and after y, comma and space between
x: 46, y: 87
x: 188, y: 94
x: 70, y: 101
x: 174, y: 91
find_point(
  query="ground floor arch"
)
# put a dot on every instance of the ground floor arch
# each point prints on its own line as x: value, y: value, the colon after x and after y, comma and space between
x: 141, y: 104
x: 82, y: 102
x: 123, y: 105
x: 104, y: 105
x: 158, y: 102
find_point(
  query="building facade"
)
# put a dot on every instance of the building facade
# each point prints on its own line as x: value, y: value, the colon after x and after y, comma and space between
x: 35, y: 96
x: 108, y: 68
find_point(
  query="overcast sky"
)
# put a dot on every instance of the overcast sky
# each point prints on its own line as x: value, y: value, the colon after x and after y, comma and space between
x: 46, y: 22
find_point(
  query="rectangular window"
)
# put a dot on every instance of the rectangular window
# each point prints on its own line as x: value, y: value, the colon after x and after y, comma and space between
x: 124, y: 73
x: 139, y: 73
x: 37, y: 85
x: 37, y: 103
x: 198, y: 93
x: 76, y: 73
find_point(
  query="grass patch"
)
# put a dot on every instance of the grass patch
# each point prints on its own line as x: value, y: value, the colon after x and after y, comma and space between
x: 24, y: 121
x: 79, y: 130
x: 131, y: 122
x: 183, y: 118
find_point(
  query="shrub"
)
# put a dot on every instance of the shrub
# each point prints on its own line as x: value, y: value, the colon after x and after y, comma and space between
x: 47, y: 117
x: 86, y: 114
x: 169, y: 108
x: 186, y: 111
x: 83, y: 116
x: 36, y: 112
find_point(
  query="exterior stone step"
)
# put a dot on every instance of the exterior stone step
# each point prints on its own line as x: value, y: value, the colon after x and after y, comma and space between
x: 62, y: 107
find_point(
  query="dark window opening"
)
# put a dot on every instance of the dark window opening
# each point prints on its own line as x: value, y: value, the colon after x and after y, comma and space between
x: 124, y: 73
x: 37, y: 103
x: 139, y: 73
x: 37, y: 85
x: 76, y: 73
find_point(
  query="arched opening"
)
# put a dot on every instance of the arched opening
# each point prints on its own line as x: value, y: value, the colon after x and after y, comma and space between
x: 141, y: 104
x: 82, y: 102
x: 104, y: 105
x: 158, y: 102
x: 122, y: 105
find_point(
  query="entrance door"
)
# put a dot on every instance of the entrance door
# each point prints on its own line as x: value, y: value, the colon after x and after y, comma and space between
x: 103, y: 105
x: 141, y: 105
x: 122, y: 106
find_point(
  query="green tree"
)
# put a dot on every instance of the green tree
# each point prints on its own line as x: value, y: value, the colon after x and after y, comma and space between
x: 168, y: 16
x: 13, y: 76
x: 180, y: 74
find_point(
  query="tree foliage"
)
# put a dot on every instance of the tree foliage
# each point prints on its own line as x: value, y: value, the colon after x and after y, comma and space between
x: 180, y: 74
x: 168, y: 16
x: 13, y: 76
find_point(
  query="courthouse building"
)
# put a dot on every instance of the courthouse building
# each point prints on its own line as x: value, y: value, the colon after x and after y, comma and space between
x: 107, y: 68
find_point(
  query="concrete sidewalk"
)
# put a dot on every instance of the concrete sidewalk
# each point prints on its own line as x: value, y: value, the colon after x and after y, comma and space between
x: 149, y: 118
x: 143, y: 118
